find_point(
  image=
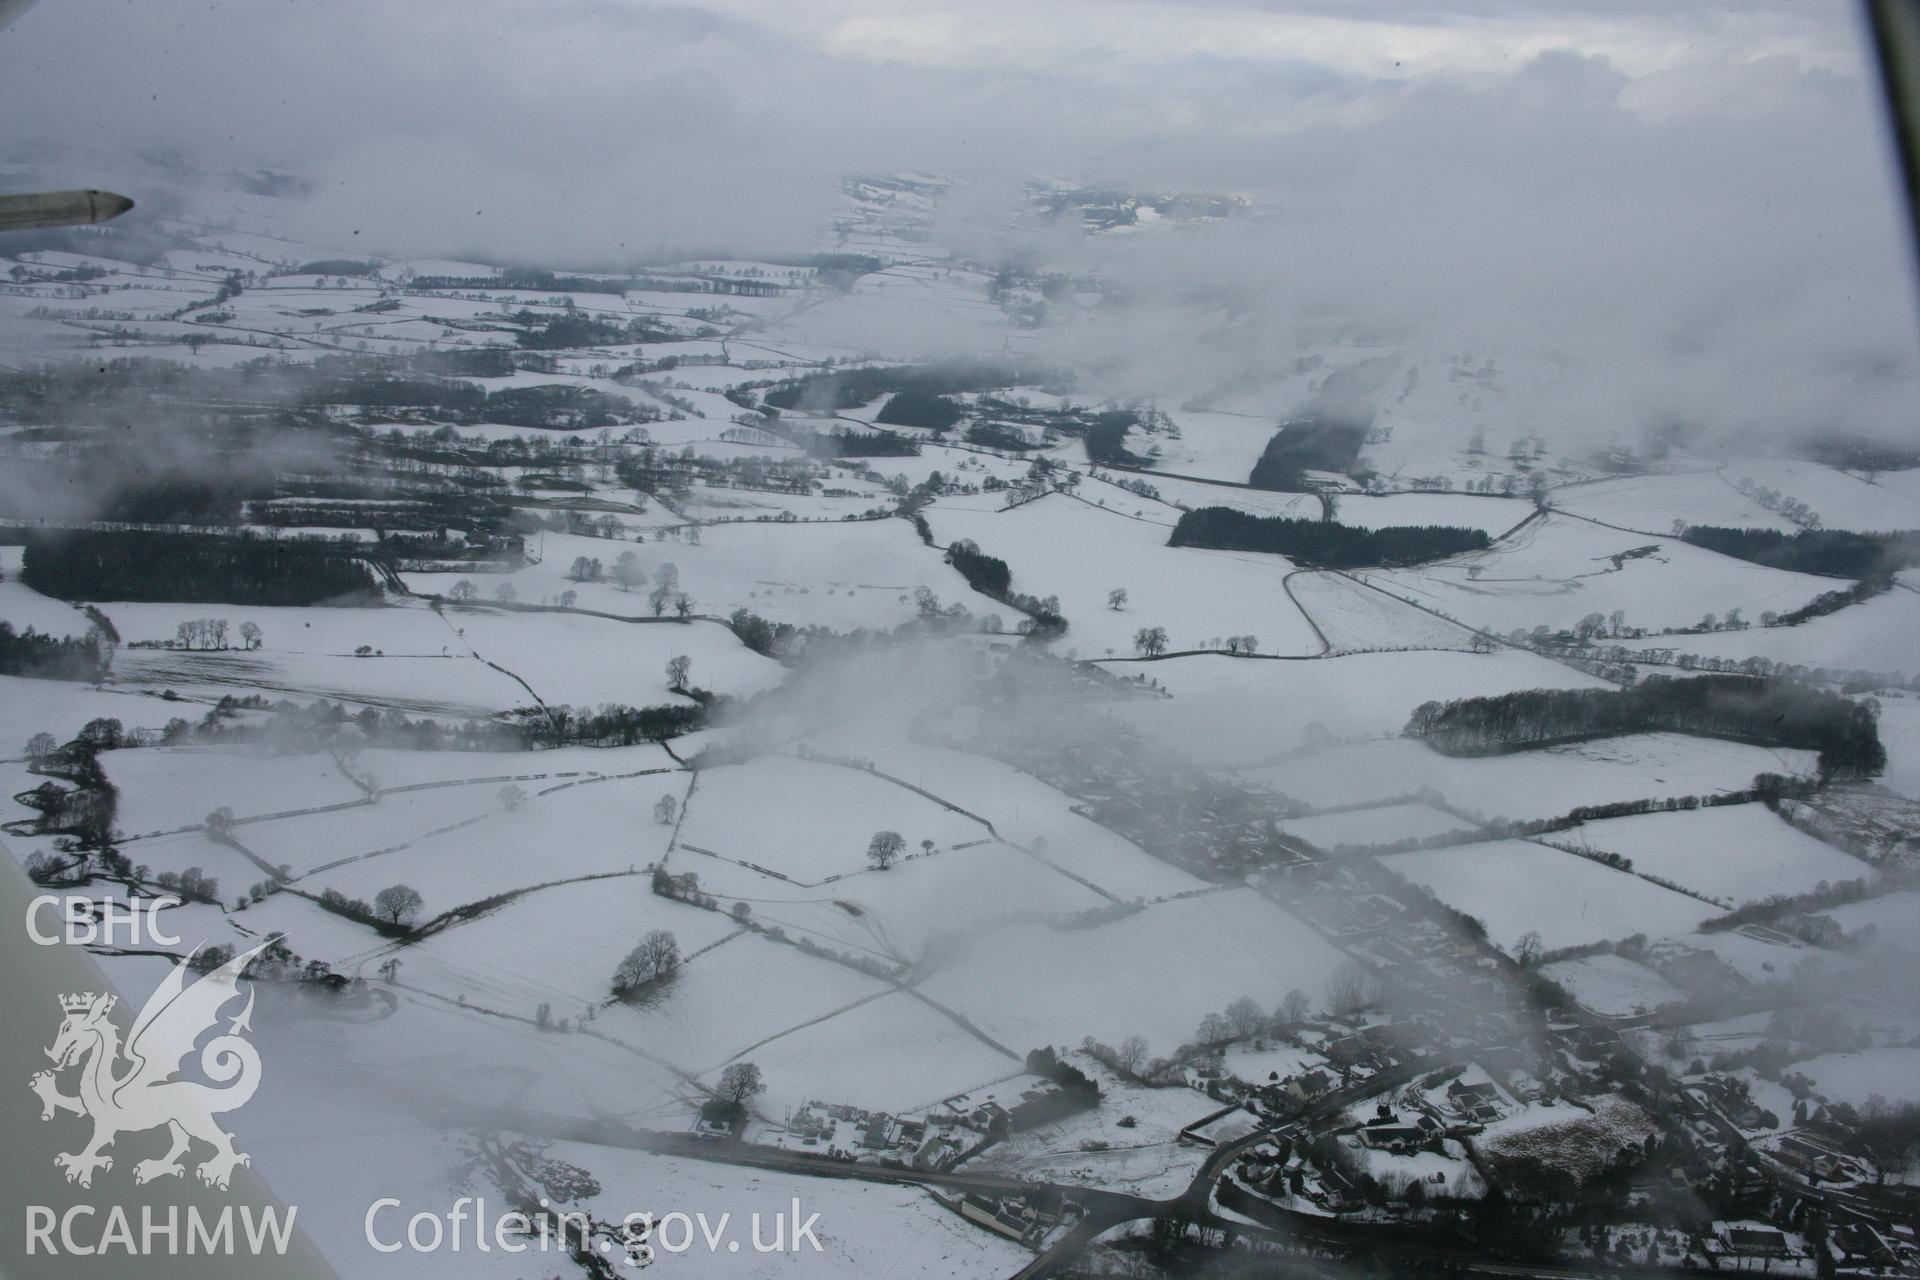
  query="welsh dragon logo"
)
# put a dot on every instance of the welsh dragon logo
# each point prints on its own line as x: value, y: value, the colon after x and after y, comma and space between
x: 137, y: 1087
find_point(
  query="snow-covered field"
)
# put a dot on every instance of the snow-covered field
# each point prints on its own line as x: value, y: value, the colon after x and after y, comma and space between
x: 22, y: 607
x: 863, y: 1228
x: 505, y: 958
x: 1136, y: 975
x: 1215, y: 445
x: 1464, y: 510
x: 162, y: 788
x: 1558, y: 569
x: 1874, y: 635
x: 1366, y: 511
x: 456, y: 685
x: 1176, y: 493
x: 824, y: 815
x: 1893, y: 1073
x: 28, y: 707
x: 1651, y: 503
x: 177, y: 853
x: 306, y: 841
x: 1895, y: 916
x: 1613, y: 986
x: 1023, y: 810
x: 917, y: 912
x: 462, y: 844
x: 1094, y: 1148
x: 736, y: 996
x: 1900, y: 732
x: 1515, y: 887
x: 1841, y: 500
x: 1529, y: 784
x: 582, y: 660
x: 1433, y: 402
x: 1383, y: 825
x: 407, y: 629
x: 1241, y: 711
x: 1060, y: 546
x: 842, y: 575
x: 390, y: 768
x: 332, y: 1143
x: 894, y: 1052
x: 1355, y: 618
x: 1733, y: 853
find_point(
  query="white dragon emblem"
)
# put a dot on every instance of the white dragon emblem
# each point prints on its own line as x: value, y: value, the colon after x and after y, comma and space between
x: 147, y: 1093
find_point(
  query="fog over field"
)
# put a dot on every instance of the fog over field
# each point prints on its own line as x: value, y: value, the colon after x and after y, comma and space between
x: 1695, y: 208
x: 1119, y: 637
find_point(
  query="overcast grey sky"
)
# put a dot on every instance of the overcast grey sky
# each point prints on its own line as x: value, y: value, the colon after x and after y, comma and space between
x: 1665, y: 184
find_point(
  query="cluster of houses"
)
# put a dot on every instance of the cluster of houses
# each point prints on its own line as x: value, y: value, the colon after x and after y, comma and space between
x: 1279, y: 1169
x: 1388, y: 1131
x: 870, y: 1133
x: 1281, y: 1172
x: 1350, y: 1054
x: 1818, y: 1162
x: 1745, y: 1246
x: 1016, y: 1217
x: 1379, y: 1046
x: 937, y: 1140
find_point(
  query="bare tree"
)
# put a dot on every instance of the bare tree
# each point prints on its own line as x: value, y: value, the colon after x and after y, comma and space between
x: 885, y: 848
x: 741, y: 1083
x: 679, y: 668
x: 398, y: 903
x: 1117, y: 598
x: 1245, y: 1017
x: 1132, y: 1054
x: 462, y: 591
x: 1352, y: 987
x: 654, y: 958
x: 664, y: 810
x: 627, y: 572
x: 1294, y: 1008
x: 1889, y: 1131
x: 250, y: 634
x: 512, y: 796
x: 630, y: 972
x: 1526, y: 952
x: 1150, y: 642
